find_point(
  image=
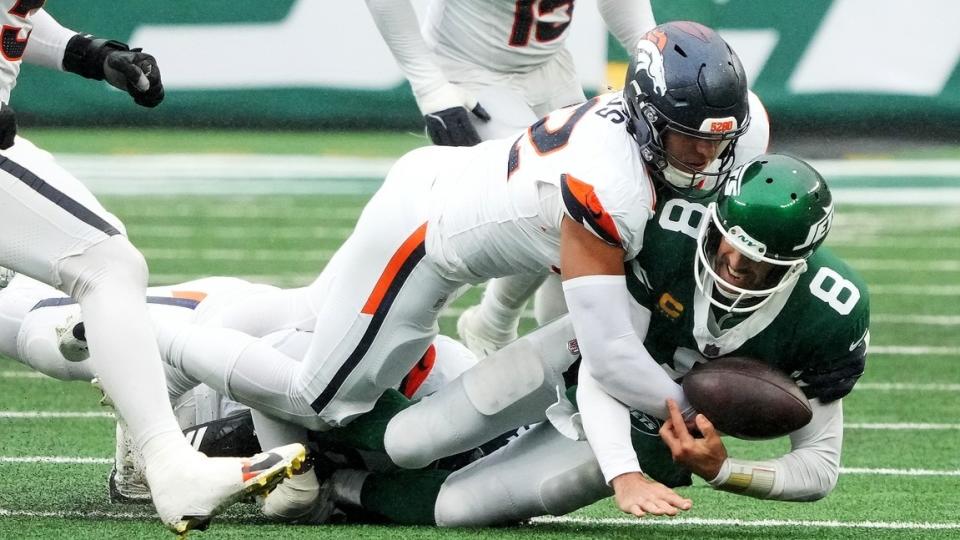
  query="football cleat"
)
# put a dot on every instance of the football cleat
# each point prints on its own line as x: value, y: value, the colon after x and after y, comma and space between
x: 189, y: 493
x: 301, y: 499
x: 72, y: 340
x: 126, y: 483
x: 480, y: 336
x: 225, y: 437
x: 6, y: 276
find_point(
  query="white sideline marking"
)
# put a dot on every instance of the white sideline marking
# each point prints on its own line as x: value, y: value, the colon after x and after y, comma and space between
x: 715, y: 522
x: 901, y: 426
x: 924, y: 387
x: 56, y: 460
x: 55, y: 414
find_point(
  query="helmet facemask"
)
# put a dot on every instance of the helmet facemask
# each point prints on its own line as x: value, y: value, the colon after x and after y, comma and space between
x: 726, y: 295
x: 690, y: 181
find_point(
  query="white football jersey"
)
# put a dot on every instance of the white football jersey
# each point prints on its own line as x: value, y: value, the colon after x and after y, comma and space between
x: 16, y: 30
x: 499, y: 204
x: 508, y: 36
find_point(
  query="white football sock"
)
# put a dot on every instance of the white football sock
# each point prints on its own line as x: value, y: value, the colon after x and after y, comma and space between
x: 109, y: 281
x: 504, y: 300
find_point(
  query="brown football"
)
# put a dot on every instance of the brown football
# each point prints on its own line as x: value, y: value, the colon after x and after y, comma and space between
x: 746, y: 398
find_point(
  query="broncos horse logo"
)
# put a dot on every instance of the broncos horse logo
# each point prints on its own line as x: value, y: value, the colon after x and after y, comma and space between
x: 650, y: 59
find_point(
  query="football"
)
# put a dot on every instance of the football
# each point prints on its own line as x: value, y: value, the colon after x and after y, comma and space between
x: 746, y: 398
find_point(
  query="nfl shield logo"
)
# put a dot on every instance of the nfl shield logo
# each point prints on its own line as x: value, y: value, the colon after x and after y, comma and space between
x: 711, y: 351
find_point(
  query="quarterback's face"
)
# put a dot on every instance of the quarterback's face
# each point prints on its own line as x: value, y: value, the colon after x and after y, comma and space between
x: 736, y: 269
x: 690, y: 154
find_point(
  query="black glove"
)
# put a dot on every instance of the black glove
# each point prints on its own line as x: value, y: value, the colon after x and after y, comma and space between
x: 130, y: 70
x: 452, y: 127
x: 8, y: 126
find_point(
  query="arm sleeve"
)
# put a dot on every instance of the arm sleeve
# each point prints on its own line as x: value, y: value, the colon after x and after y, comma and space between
x: 397, y: 22
x: 612, y: 351
x: 628, y: 20
x: 606, y: 423
x: 810, y: 470
x: 48, y: 41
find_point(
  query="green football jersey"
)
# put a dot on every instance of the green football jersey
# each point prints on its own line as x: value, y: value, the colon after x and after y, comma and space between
x: 816, y: 331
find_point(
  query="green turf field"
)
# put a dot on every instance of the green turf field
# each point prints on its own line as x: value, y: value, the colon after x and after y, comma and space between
x: 901, y: 476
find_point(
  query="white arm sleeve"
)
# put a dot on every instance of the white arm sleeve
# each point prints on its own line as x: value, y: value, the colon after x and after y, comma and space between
x: 628, y: 20
x: 809, y: 471
x: 612, y: 352
x: 606, y: 423
x: 48, y: 41
x: 397, y: 22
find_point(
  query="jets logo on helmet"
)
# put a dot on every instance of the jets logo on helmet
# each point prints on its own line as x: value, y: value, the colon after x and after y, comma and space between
x: 819, y: 230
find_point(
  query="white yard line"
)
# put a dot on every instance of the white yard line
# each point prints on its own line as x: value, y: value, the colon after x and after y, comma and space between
x: 75, y: 514
x: 54, y: 414
x: 897, y: 472
x: 850, y: 471
x: 279, y: 255
x: 909, y: 318
x: 23, y: 375
x: 914, y: 350
x: 96, y: 414
x: 915, y: 290
x: 624, y: 522
x: 57, y: 460
x: 901, y: 426
x: 912, y: 387
x: 894, y: 196
x: 913, y: 265
x: 214, y: 174
x: 766, y: 523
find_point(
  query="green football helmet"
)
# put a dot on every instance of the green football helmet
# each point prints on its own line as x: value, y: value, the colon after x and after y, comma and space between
x: 776, y: 209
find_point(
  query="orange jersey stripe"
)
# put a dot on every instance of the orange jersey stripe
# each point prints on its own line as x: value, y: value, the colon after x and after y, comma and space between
x: 386, y: 278
x: 190, y: 295
x: 591, y: 210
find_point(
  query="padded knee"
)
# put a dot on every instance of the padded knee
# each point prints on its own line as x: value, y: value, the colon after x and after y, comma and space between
x: 511, y: 388
x: 115, y: 262
x: 541, y: 472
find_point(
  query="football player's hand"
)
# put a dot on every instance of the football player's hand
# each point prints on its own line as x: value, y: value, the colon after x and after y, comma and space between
x: 638, y: 495
x: 703, y: 456
x: 136, y: 73
x: 446, y: 112
x: 8, y: 126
